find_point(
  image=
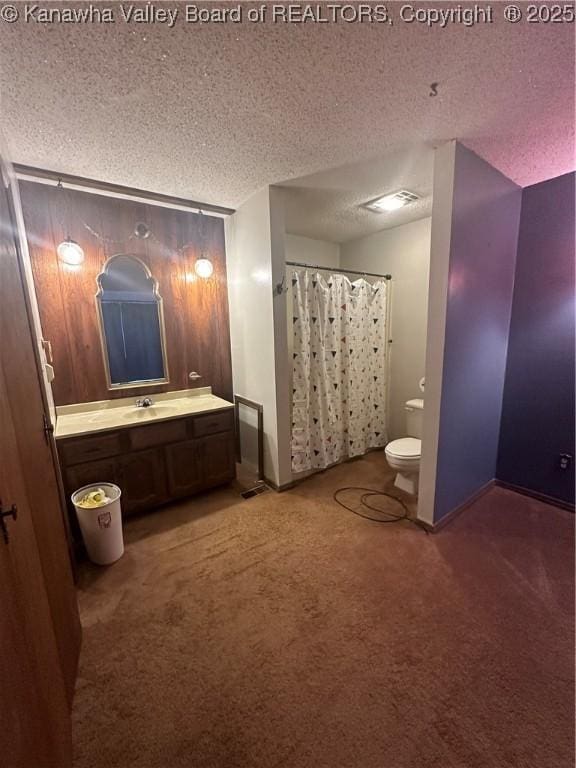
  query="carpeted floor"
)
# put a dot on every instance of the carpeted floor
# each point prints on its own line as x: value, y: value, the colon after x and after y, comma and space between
x: 284, y: 632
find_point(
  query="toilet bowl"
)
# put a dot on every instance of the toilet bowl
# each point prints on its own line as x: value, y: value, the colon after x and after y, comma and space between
x: 403, y: 455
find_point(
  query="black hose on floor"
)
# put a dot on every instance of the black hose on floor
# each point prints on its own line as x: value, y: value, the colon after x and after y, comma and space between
x: 387, y: 517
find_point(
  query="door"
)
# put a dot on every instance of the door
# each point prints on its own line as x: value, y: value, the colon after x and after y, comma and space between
x: 28, y: 406
x: 39, y: 626
x: 34, y: 714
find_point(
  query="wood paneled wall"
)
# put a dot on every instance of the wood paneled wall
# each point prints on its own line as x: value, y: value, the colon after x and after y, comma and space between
x: 195, y: 310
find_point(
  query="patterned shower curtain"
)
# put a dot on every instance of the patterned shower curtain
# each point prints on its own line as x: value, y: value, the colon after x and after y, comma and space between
x: 339, y: 368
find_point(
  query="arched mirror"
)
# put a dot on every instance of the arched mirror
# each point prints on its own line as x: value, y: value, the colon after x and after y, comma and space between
x: 131, y: 324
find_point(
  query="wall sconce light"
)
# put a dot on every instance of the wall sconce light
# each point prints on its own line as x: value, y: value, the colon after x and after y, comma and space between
x: 70, y: 252
x: 203, y: 268
x: 142, y: 231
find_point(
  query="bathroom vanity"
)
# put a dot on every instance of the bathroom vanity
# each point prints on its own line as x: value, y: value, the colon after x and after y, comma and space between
x: 183, y: 443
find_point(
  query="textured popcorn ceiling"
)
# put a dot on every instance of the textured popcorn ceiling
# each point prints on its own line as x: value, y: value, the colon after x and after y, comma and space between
x: 215, y: 112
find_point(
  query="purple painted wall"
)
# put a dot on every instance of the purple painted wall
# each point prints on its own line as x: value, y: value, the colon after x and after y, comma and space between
x: 484, y: 236
x: 538, y: 412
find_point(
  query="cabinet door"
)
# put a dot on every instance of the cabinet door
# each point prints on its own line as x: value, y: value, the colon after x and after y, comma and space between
x: 217, y: 460
x: 103, y: 471
x: 142, y: 479
x: 182, y: 464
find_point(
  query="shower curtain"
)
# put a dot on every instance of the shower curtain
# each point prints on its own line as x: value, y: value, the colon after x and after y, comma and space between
x: 339, y: 368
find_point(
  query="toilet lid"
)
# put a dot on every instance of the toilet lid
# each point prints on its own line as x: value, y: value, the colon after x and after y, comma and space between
x: 406, y: 447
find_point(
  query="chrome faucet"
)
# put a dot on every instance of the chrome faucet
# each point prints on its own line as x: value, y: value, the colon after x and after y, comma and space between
x: 144, y: 402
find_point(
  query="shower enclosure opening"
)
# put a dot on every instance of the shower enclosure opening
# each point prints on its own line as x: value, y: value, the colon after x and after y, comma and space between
x: 340, y: 328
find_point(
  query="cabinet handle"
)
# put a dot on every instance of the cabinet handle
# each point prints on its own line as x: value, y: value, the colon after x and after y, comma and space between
x: 13, y: 513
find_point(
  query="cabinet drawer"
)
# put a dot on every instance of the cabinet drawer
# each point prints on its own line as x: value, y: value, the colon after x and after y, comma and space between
x: 157, y: 434
x: 212, y: 423
x: 90, y: 448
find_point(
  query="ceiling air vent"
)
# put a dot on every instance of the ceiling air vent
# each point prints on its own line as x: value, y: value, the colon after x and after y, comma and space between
x: 391, y: 202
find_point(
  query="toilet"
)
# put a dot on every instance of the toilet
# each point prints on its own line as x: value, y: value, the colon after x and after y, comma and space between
x: 403, y: 455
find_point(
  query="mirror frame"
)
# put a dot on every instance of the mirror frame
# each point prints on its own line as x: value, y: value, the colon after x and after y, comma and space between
x: 102, y: 334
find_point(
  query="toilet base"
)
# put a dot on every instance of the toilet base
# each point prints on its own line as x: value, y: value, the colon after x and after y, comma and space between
x: 407, y: 483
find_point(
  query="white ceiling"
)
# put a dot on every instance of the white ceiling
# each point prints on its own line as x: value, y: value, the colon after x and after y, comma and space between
x: 328, y: 205
x: 215, y: 112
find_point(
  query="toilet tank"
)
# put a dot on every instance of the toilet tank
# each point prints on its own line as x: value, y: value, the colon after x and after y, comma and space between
x: 414, y: 413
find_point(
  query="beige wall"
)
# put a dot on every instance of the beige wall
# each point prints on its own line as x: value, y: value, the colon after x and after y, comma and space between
x: 404, y: 252
x: 258, y: 327
x: 249, y: 270
x: 309, y: 251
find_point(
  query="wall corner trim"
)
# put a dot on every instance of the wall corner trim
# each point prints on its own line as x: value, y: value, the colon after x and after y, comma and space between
x: 454, y: 513
x: 280, y: 488
x: 440, y: 240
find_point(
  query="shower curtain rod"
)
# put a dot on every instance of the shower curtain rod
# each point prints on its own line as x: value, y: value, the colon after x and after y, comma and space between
x: 337, y: 269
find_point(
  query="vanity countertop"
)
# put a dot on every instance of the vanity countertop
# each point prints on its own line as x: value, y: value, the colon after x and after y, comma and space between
x: 106, y: 415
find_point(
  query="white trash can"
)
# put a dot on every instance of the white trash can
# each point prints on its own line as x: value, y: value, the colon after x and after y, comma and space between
x: 101, y: 526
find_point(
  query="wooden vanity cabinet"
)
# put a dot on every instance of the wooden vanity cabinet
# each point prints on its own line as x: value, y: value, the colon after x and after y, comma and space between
x: 154, y: 463
x: 200, y: 464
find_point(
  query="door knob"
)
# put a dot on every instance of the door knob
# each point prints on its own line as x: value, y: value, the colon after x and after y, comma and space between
x: 13, y: 513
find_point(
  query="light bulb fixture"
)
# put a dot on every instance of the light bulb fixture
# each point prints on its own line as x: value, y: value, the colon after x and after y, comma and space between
x: 69, y: 252
x: 203, y: 268
x: 393, y: 202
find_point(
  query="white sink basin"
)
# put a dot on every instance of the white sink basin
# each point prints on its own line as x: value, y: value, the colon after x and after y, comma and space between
x: 159, y: 411
x: 96, y: 418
